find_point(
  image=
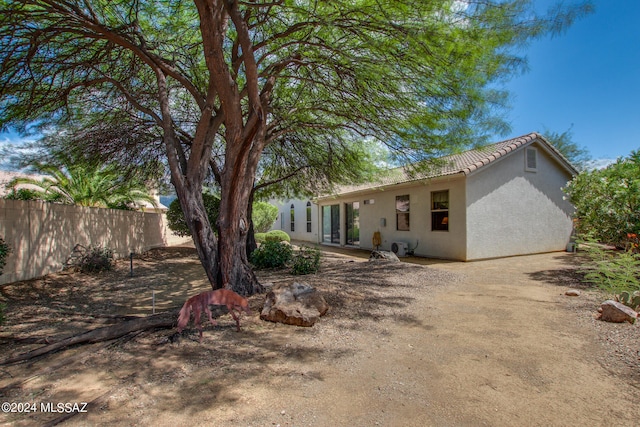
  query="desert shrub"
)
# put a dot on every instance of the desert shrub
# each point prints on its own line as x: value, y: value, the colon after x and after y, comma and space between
x: 5, y: 249
x: 260, y: 237
x: 96, y: 259
x: 263, y: 215
x: 175, y: 217
x: 607, y: 202
x: 306, y: 261
x: 614, y: 271
x: 272, y: 255
x: 277, y: 236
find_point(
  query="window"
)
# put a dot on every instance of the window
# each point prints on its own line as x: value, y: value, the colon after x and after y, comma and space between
x: 531, y: 160
x: 402, y: 213
x: 308, y: 217
x: 293, y: 218
x: 440, y: 210
x: 331, y: 224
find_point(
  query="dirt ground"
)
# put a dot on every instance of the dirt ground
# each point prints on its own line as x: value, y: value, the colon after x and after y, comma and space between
x: 438, y: 344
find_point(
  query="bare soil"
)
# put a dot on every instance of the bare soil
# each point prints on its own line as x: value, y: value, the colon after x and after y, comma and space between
x: 418, y: 343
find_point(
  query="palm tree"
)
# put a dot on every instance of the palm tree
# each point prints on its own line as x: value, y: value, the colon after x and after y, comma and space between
x: 81, y: 183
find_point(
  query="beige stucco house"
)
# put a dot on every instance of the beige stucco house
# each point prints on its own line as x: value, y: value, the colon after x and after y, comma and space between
x: 500, y: 200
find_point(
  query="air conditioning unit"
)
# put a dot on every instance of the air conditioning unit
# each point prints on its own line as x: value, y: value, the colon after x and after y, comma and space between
x: 399, y: 248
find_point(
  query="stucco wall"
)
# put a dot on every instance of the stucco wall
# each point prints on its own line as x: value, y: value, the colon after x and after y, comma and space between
x: 283, y: 222
x: 43, y: 235
x: 512, y: 212
x: 441, y: 244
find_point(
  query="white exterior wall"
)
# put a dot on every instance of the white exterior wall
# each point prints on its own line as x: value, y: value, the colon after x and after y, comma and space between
x: 440, y: 244
x: 511, y: 211
x: 283, y: 222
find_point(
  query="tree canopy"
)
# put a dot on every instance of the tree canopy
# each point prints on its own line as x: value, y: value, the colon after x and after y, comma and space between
x: 212, y: 85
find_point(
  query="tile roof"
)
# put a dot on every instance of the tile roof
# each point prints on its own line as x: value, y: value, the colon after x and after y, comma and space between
x: 455, y: 164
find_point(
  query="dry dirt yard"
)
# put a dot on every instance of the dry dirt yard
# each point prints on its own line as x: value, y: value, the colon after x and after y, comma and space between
x: 445, y: 344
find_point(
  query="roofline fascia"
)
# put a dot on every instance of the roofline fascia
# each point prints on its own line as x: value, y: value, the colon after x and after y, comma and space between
x: 390, y: 187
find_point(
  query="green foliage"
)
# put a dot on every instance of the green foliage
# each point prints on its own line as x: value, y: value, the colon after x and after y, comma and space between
x: 177, y: 222
x: 630, y: 299
x: 263, y: 216
x: 22, y: 194
x: 5, y: 250
x: 260, y: 237
x: 306, y: 261
x: 611, y: 270
x: 96, y: 259
x: 563, y: 142
x: 277, y: 236
x: 77, y: 181
x: 607, y: 202
x: 272, y: 255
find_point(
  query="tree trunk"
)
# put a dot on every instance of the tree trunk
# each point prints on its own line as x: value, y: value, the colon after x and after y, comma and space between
x: 202, y: 233
x: 233, y: 227
x: 251, y: 235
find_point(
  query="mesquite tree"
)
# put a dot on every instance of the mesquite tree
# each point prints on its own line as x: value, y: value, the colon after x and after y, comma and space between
x: 215, y: 83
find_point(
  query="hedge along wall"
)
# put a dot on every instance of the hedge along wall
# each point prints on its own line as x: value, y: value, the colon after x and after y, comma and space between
x: 42, y: 235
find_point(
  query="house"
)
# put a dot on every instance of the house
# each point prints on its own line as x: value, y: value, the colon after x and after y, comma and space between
x: 499, y: 200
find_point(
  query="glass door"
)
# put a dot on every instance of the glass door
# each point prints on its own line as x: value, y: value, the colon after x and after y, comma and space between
x: 352, y: 211
x: 331, y: 224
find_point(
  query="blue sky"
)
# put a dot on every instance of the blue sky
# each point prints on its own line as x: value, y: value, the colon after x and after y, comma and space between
x: 588, y: 77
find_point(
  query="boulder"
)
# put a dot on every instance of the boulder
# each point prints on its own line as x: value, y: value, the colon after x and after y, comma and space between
x: 383, y: 255
x: 296, y: 304
x: 572, y: 293
x: 613, y: 311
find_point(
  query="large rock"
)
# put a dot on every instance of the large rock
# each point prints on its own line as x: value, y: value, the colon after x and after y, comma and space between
x: 383, y: 255
x: 296, y: 304
x: 613, y: 311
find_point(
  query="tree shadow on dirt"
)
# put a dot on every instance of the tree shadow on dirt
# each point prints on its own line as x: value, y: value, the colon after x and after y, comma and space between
x: 155, y: 369
x: 568, y: 276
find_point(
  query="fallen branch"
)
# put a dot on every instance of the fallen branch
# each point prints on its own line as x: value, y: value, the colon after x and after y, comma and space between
x: 164, y: 320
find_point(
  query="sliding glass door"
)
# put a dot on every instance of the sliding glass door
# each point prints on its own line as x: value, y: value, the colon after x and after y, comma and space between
x: 331, y: 224
x: 352, y: 211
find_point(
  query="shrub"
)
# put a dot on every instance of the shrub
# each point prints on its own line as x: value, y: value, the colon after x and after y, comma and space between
x: 607, y: 202
x: 260, y: 237
x: 96, y: 259
x: 306, y: 261
x: 5, y: 249
x: 263, y: 216
x: 271, y: 255
x: 277, y: 236
x: 175, y: 217
x: 611, y: 270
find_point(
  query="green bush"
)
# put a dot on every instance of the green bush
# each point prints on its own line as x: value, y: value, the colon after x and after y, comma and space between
x: 277, y: 236
x: 263, y: 216
x: 611, y: 270
x: 607, y: 202
x: 306, y: 261
x: 175, y: 217
x: 96, y: 259
x: 260, y: 237
x: 272, y: 255
x: 5, y: 249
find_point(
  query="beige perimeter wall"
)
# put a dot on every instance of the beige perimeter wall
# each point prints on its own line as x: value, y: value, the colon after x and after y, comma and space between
x: 42, y: 235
